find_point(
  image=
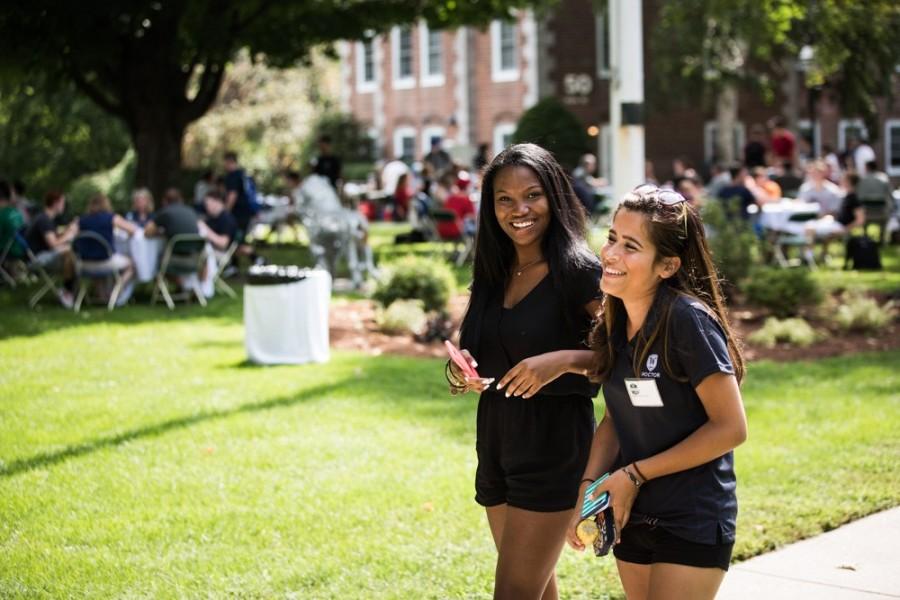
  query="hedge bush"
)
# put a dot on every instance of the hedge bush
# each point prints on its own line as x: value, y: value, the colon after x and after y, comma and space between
x: 553, y: 126
x: 795, y: 332
x: 416, y: 278
x: 857, y: 312
x: 783, y: 291
x: 731, y: 242
x: 402, y: 316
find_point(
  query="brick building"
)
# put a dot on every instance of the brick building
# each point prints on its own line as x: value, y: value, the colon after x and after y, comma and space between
x: 469, y: 87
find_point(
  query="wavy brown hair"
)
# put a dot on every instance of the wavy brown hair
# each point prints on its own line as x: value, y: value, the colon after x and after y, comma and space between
x: 676, y: 230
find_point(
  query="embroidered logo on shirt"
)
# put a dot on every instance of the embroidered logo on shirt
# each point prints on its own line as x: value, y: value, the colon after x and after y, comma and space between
x: 652, y: 362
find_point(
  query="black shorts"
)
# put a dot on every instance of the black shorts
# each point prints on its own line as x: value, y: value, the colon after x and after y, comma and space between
x: 647, y: 544
x: 243, y: 223
x: 532, y: 453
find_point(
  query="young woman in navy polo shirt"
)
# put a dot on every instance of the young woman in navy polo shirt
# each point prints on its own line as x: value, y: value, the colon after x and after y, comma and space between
x: 670, y: 369
x: 535, y: 292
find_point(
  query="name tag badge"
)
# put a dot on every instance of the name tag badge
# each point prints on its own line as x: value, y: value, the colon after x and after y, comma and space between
x: 643, y: 392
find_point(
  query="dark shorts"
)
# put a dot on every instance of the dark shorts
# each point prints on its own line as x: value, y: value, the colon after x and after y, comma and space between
x: 243, y: 223
x: 647, y: 544
x: 532, y: 453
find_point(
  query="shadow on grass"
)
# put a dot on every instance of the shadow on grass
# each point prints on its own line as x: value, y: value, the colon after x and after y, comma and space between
x: 46, y: 459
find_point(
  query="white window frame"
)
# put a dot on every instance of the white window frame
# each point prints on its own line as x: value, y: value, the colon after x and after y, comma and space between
x: 601, y: 37
x: 400, y: 133
x: 498, y: 73
x: 844, y: 125
x: 709, y: 140
x: 501, y: 130
x: 429, y: 79
x: 409, y: 81
x: 375, y: 139
x: 363, y: 85
x: 817, y: 135
x: 888, y: 125
x: 430, y: 131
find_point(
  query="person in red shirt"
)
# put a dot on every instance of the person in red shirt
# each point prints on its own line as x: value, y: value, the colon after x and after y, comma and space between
x: 403, y: 193
x: 782, y: 142
x: 459, y: 202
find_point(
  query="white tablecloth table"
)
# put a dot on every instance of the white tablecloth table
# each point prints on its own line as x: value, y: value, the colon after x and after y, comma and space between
x: 287, y: 323
x: 146, y: 254
x: 776, y: 215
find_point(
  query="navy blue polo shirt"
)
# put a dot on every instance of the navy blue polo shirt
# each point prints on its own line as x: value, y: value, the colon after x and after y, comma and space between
x: 698, y: 504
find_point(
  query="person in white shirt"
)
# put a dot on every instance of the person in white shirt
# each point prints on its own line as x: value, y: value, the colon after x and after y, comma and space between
x: 862, y: 154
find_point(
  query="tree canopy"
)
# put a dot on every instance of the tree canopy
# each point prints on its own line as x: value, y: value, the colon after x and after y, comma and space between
x: 158, y: 64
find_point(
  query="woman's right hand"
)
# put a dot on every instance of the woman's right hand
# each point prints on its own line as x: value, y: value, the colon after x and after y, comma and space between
x: 472, y: 384
x: 571, y: 535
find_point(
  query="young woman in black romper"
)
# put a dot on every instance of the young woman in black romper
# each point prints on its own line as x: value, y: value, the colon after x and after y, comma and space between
x: 670, y: 369
x: 535, y: 292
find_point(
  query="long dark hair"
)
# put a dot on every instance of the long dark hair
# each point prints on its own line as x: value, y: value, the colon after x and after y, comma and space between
x: 564, y: 244
x: 677, y: 231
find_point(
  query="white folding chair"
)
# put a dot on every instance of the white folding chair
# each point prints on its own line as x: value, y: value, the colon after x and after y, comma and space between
x: 4, y: 255
x: 93, y: 269
x: 36, y: 268
x: 222, y: 262
x: 189, y: 261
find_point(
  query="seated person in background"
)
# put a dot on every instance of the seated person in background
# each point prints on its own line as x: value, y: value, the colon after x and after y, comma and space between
x: 206, y: 182
x: 101, y: 220
x: 174, y: 218
x: 11, y: 222
x: 763, y: 189
x: 817, y: 188
x: 219, y: 228
x: 141, y: 207
x: 737, y: 191
x: 401, y: 198
x: 837, y: 223
x: 54, y: 251
x: 787, y: 179
x: 692, y: 190
x: 459, y: 202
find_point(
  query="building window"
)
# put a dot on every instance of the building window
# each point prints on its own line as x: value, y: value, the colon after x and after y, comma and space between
x: 402, y: 57
x: 405, y: 143
x: 504, y: 51
x: 431, y: 45
x: 892, y: 146
x: 850, y: 128
x: 365, y: 66
x: 711, y: 130
x: 503, y: 134
x: 429, y: 134
x: 602, y: 40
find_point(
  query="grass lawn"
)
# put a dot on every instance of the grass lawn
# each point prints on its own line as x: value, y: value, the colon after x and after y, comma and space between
x: 141, y: 456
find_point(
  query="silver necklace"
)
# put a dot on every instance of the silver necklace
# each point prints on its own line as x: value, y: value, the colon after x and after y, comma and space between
x: 522, y: 268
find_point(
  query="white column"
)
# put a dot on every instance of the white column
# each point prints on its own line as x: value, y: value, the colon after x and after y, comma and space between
x: 530, y: 53
x: 626, y: 48
x: 461, y: 85
x: 346, y: 77
x: 381, y: 83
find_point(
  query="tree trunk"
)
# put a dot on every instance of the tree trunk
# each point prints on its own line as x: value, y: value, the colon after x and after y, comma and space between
x: 726, y: 117
x: 158, y: 150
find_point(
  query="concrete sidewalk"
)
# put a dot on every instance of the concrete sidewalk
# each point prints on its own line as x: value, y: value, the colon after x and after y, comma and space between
x: 860, y: 560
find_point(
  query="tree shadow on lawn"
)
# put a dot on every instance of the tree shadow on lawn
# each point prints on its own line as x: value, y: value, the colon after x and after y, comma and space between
x: 45, y: 459
x: 18, y: 320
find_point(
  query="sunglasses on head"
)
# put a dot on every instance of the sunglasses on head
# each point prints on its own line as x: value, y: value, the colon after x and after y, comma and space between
x: 661, y: 195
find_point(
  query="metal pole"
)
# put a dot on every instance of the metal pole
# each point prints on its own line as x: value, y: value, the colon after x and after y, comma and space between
x: 626, y: 94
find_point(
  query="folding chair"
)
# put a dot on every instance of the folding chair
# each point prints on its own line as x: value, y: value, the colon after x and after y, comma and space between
x: 35, y: 267
x: 784, y: 239
x: 182, y: 264
x: 90, y: 270
x: 222, y: 262
x: 4, y: 254
x: 463, y: 244
x: 878, y: 213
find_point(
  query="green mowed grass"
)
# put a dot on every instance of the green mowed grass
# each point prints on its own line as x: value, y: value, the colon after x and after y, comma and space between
x: 141, y: 456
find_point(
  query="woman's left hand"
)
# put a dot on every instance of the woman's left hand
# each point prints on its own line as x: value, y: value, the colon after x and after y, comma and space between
x: 622, y: 493
x: 530, y: 375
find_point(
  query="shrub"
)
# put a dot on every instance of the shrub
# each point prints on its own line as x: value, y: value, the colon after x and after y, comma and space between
x: 417, y: 278
x: 551, y: 125
x: 731, y: 243
x: 782, y: 291
x: 857, y: 312
x: 795, y: 332
x: 402, y: 316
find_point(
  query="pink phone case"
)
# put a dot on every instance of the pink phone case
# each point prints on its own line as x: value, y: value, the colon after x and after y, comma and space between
x: 461, y: 362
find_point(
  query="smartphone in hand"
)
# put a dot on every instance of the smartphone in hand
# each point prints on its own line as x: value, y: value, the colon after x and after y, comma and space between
x: 457, y: 357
